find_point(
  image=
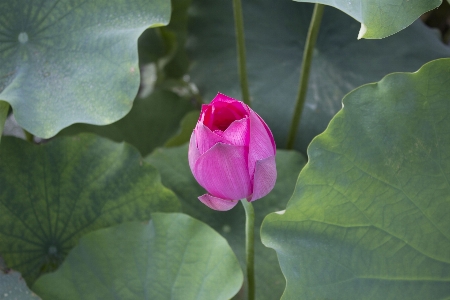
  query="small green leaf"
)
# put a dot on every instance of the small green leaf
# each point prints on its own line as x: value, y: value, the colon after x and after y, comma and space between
x: 381, y: 18
x: 12, y: 286
x: 173, y: 165
x: 275, y: 41
x: 172, y: 257
x: 186, y: 127
x: 72, y: 61
x: 369, y: 218
x: 54, y: 193
x: 4, y: 108
x: 150, y: 123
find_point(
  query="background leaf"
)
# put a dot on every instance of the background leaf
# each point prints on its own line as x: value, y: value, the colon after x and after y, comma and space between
x: 175, y: 173
x: 172, y: 257
x: 274, y: 51
x: 381, y: 18
x: 54, y: 193
x: 179, y: 63
x: 12, y: 286
x: 369, y: 218
x: 150, y: 123
x: 187, y: 125
x: 151, y: 47
x: 72, y: 61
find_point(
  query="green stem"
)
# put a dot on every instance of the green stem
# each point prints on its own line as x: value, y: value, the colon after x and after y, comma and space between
x: 240, y: 42
x: 4, y: 108
x: 250, y: 247
x: 304, y: 72
x: 28, y: 136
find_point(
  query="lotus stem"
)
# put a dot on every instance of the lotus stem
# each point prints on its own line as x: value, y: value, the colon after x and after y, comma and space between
x: 240, y: 42
x: 250, y: 247
x: 4, y: 108
x: 28, y: 136
x: 304, y: 72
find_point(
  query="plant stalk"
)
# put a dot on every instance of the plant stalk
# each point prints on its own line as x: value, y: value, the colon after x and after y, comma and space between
x: 4, y: 108
x: 250, y: 247
x: 304, y: 72
x: 240, y: 42
x: 28, y: 136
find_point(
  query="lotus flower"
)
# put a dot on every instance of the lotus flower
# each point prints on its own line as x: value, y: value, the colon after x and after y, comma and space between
x: 232, y: 154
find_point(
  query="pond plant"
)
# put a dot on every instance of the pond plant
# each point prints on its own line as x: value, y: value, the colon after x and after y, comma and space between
x: 126, y: 149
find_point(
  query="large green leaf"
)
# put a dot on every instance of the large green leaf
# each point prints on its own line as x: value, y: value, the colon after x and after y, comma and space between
x: 72, y: 61
x: 275, y: 36
x: 4, y: 108
x: 381, y: 18
x: 12, y: 286
x: 150, y: 123
x: 52, y: 194
x: 369, y: 218
x: 173, y: 165
x: 172, y: 257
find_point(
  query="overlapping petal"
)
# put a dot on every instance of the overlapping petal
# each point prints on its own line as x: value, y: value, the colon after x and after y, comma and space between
x: 261, y: 144
x: 237, y: 133
x: 193, y: 153
x: 264, y: 178
x: 206, y: 138
x: 224, y: 98
x: 217, y: 203
x: 222, y: 171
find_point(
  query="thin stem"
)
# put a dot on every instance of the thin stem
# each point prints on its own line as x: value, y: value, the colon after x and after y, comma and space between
x: 250, y: 247
x: 4, y: 108
x: 304, y: 72
x: 28, y: 136
x: 240, y: 42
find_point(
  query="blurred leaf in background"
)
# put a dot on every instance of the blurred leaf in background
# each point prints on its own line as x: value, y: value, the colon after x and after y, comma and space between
x: 12, y: 286
x: 440, y: 19
x: 150, y: 123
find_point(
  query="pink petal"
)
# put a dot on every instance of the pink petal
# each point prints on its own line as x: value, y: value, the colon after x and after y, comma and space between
x: 262, y: 143
x: 193, y: 153
x: 221, y: 112
x: 222, y: 171
x: 206, y: 116
x: 264, y: 178
x: 237, y: 133
x: 239, y: 105
x: 217, y: 203
x: 223, y: 98
x: 205, y: 138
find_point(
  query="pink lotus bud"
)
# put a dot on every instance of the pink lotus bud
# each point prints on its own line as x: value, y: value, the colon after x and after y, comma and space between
x: 232, y: 154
